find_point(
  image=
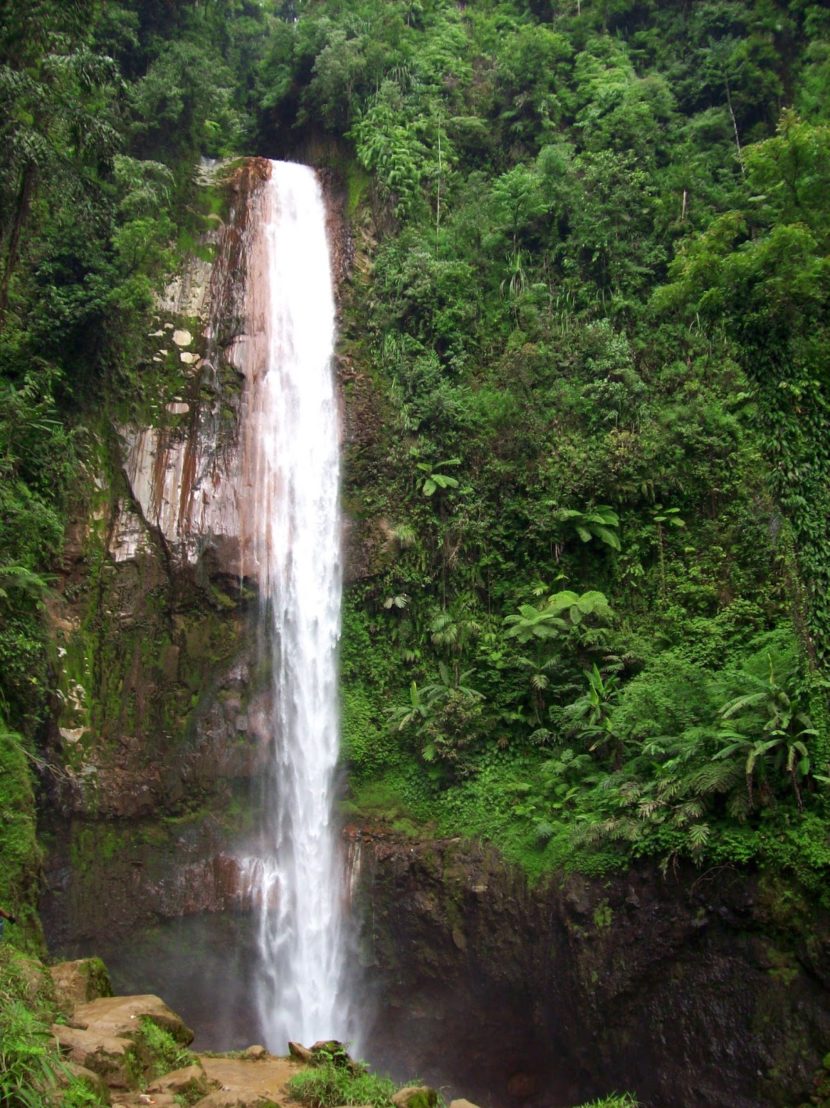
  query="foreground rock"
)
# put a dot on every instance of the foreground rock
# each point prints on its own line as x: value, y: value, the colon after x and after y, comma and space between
x: 114, y: 1058
x: 79, y: 982
x: 106, y: 1043
x: 247, y: 1083
x: 415, y: 1096
x: 122, y: 1016
x: 190, y: 1082
x: 300, y: 1052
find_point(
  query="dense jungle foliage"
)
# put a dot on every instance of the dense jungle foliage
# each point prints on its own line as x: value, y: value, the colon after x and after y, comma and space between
x: 583, y: 345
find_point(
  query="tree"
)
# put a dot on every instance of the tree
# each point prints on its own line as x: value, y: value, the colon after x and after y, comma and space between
x: 55, y: 116
x: 183, y: 106
x: 445, y: 716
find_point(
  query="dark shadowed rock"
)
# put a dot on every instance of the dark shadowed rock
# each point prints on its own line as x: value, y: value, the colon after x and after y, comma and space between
x: 676, y: 986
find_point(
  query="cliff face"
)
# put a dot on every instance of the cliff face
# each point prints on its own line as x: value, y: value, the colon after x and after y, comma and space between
x: 159, y: 722
x: 692, y: 988
x: 162, y: 723
x: 160, y: 727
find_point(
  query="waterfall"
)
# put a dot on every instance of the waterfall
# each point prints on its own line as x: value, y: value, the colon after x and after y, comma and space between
x: 294, y: 874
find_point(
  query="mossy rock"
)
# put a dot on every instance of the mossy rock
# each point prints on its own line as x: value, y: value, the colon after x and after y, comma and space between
x: 79, y: 982
x: 415, y: 1096
x: 26, y: 979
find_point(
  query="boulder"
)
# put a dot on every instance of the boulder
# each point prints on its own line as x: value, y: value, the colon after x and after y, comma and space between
x: 190, y: 1082
x: 93, y: 1081
x: 462, y: 1104
x: 332, y: 1050
x: 416, y: 1096
x: 79, y: 982
x: 122, y: 1015
x: 255, y: 1053
x: 111, y: 1056
x: 301, y: 1053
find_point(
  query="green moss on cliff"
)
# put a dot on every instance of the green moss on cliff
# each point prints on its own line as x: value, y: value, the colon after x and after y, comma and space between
x: 21, y: 855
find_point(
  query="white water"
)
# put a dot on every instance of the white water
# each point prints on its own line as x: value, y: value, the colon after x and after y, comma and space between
x: 295, y: 876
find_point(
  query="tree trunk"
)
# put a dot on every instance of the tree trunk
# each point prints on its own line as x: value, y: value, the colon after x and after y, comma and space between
x: 734, y: 126
x: 27, y: 186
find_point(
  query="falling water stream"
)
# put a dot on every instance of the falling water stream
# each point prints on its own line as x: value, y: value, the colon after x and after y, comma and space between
x: 295, y: 873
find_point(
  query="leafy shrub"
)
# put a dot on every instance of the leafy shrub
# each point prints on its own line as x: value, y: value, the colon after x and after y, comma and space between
x: 165, y: 1054
x: 29, y: 1065
x: 32, y: 1074
x: 328, y: 1085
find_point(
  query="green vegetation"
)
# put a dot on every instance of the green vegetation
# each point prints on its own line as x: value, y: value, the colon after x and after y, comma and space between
x: 329, y: 1084
x: 583, y: 349
x: 597, y: 609
x: 20, y: 872
x: 160, y: 1050
x: 104, y: 109
x: 584, y: 337
x: 32, y: 1074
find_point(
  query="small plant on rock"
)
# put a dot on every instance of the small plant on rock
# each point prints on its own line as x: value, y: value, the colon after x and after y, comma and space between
x: 161, y: 1050
x: 330, y: 1084
x: 32, y: 1074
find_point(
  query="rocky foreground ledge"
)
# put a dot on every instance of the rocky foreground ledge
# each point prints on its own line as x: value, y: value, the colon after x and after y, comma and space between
x: 132, y: 1051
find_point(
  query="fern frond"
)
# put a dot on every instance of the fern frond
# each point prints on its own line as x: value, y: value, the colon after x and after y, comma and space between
x: 647, y: 808
x: 698, y: 837
x: 689, y: 812
x: 737, y: 806
x: 671, y: 788
x: 716, y: 777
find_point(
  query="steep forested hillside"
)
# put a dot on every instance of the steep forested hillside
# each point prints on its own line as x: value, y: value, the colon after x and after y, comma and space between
x: 105, y: 109
x: 583, y: 340
x: 583, y: 354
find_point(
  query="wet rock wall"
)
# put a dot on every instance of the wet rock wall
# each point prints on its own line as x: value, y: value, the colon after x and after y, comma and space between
x: 690, y: 988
